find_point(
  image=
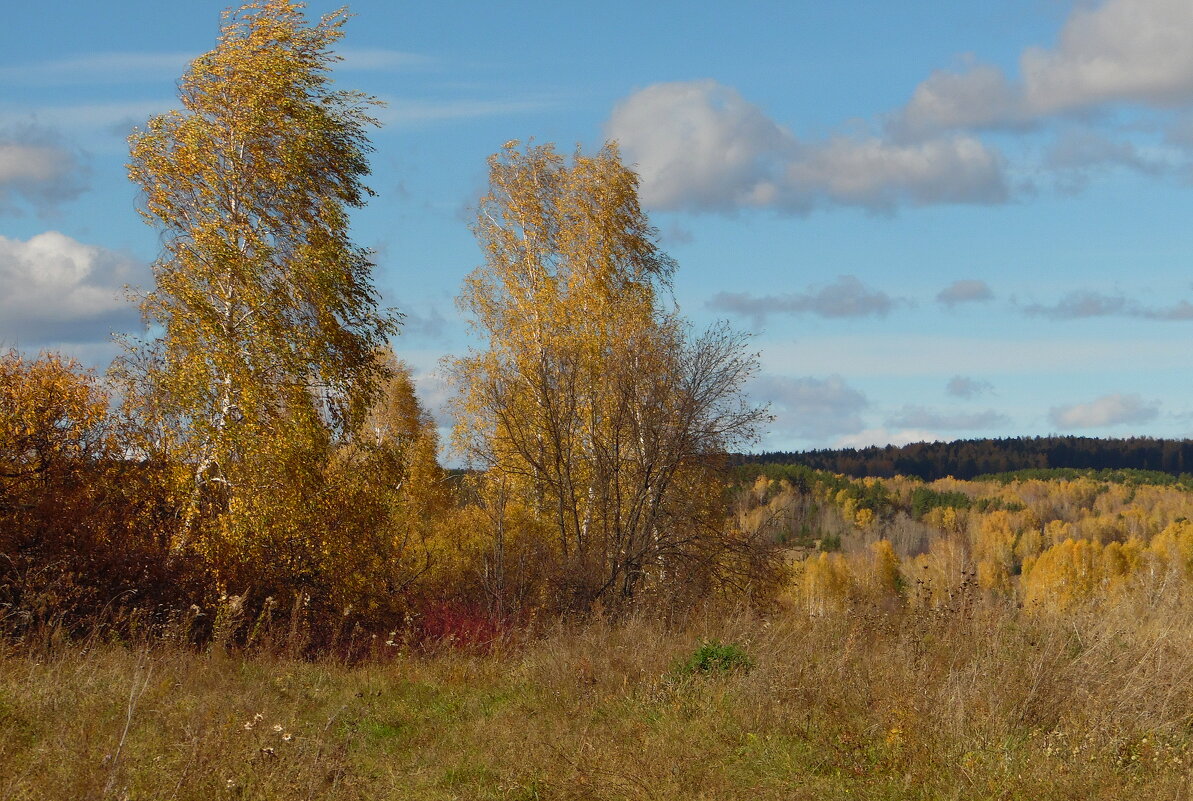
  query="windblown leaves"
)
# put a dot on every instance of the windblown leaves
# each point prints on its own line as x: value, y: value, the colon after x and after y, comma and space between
x: 268, y: 314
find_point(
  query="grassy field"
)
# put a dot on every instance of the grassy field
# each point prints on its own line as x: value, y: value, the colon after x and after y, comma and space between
x: 968, y: 702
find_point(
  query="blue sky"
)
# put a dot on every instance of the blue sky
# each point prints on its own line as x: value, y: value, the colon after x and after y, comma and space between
x: 942, y: 220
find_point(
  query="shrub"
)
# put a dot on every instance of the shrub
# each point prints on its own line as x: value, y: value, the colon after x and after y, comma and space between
x: 713, y: 657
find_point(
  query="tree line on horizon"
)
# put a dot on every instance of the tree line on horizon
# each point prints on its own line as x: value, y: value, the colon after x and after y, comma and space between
x: 969, y: 459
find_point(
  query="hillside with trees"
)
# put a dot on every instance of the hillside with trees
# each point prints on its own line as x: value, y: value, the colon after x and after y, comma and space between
x: 966, y: 459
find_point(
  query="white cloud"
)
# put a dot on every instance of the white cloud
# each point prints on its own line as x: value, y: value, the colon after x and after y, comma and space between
x: 881, y: 437
x: 56, y: 289
x: 878, y: 174
x: 1078, y: 152
x: 964, y: 291
x: 1121, y: 50
x: 701, y: 146
x: 1117, y: 51
x: 36, y: 169
x: 1108, y: 410
x: 846, y: 297
x: 921, y: 417
x: 978, y: 98
x: 812, y: 408
x: 1081, y: 148
x: 435, y: 393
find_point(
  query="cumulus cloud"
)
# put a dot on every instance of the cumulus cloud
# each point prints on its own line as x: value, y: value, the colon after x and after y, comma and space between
x: 1077, y: 149
x: 964, y: 291
x: 1076, y: 153
x: 55, y: 289
x: 878, y: 174
x: 980, y: 97
x: 1128, y: 51
x: 1132, y: 50
x: 1083, y: 304
x: 1182, y: 310
x: 701, y: 146
x: 921, y: 417
x: 845, y: 297
x: 961, y: 386
x: 36, y: 169
x: 1080, y: 304
x: 812, y: 408
x: 1108, y: 410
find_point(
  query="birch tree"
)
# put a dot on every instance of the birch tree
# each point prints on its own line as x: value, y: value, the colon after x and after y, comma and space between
x: 591, y: 405
x: 268, y: 318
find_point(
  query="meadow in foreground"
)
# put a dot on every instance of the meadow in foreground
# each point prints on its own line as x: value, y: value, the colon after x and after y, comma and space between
x: 968, y: 701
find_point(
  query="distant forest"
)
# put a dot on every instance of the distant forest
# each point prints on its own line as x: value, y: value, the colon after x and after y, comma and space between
x: 967, y: 459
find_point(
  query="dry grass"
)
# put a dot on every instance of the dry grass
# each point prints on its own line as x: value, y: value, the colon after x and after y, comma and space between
x: 969, y: 703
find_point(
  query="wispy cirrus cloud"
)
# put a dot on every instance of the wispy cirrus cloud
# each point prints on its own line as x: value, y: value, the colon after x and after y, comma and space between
x: 152, y: 67
x: 401, y: 112
x: 922, y: 417
x: 100, y: 68
x: 111, y: 117
x: 120, y: 117
x: 845, y: 297
x: 380, y: 59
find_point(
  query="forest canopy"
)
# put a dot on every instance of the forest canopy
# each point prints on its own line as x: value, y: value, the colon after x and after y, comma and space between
x: 966, y: 459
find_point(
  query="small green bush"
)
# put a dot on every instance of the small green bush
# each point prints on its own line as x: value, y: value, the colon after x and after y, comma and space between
x: 712, y: 657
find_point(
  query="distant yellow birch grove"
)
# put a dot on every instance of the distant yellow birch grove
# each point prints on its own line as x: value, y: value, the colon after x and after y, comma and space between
x: 590, y: 407
x: 268, y: 318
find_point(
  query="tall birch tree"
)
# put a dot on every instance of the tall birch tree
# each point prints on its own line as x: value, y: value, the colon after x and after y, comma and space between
x: 268, y: 317
x: 590, y: 404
